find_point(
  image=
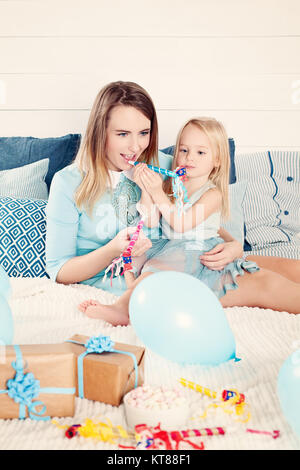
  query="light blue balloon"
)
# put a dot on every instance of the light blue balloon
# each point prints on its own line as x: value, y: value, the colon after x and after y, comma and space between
x: 5, y: 288
x: 288, y: 389
x: 6, y: 322
x: 180, y: 318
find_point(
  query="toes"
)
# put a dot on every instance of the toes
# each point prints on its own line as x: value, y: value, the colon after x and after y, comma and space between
x: 87, y: 303
x: 82, y: 307
x: 91, y: 312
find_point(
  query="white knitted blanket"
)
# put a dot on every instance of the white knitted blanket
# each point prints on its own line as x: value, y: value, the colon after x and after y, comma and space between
x: 46, y: 312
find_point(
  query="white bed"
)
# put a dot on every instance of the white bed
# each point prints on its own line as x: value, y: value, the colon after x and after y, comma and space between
x: 46, y: 312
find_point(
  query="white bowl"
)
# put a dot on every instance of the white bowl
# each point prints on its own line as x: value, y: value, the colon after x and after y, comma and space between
x: 170, y: 419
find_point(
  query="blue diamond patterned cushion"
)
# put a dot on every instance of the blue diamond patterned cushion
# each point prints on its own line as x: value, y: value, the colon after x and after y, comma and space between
x: 22, y: 237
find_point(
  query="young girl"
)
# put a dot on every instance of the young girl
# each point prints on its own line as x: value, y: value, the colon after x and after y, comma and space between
x: 202, y: 147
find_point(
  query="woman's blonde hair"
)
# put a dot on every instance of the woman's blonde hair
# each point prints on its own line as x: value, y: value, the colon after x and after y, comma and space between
x: 219, y: 176
x: 91, y: 157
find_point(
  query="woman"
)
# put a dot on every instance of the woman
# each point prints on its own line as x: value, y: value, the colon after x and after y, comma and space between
x: 91, y: 211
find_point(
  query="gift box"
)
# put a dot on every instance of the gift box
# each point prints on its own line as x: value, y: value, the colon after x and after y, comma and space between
x: 37, y: 381
x: 106, y: 371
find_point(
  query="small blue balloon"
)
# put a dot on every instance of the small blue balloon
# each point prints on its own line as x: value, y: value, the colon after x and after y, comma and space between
x: 5, y: 288
x: 180, y: 318
x: 288, y: 389
x: 6, y: 322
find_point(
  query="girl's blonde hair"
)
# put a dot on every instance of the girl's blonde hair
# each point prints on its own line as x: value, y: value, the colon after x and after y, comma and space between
x: 219, y: 176
x: 91, y: 157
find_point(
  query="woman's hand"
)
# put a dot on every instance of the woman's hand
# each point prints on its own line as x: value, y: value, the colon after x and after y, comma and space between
x: 136, y: 176
x: 221, y: 255
x: 121, y: 241
x: 141, y: 245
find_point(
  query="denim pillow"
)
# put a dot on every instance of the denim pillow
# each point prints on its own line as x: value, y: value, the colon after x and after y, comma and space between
x: 19, y: 151
x: 22, y: 237
x: 27, y: 181
x: 232, y: 174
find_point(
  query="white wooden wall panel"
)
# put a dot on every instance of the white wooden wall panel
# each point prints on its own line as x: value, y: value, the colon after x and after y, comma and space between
x: 154, y: 57
x: 144, y: 18
x: 236, y: 60
x: 249, y: 129
x: 210, y: 92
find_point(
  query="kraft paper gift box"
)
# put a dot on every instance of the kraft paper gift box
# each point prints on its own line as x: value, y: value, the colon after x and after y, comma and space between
x: 37, y: 381
x: 106, y: 376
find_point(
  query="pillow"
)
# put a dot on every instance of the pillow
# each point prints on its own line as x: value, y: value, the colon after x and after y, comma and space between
x: 164, y: 161
x: 235, y: 224
x: 22, y: 237
x: 232, y: 175
x: 27, y: 181
x: 272, y: 200
x: 19, y: 151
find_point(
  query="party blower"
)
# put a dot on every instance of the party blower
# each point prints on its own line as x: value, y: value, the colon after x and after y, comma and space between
x: 178, y: 175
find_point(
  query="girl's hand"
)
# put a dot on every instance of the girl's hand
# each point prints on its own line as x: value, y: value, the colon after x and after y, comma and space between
x: 152, y: 181
x: 221, y: 255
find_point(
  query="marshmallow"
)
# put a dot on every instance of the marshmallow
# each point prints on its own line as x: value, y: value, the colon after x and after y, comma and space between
x: 153, y: 405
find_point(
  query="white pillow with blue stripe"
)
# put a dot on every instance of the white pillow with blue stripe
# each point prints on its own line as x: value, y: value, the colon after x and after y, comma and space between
x: 27, y: 181
x: 272, y: 201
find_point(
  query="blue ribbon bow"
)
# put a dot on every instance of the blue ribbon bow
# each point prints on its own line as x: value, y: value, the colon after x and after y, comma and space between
x: 23, y: 388
x: 98, y: 345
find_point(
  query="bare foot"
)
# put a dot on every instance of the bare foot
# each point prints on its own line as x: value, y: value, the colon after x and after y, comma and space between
x: 87, y: 303
x: 109, y: 313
